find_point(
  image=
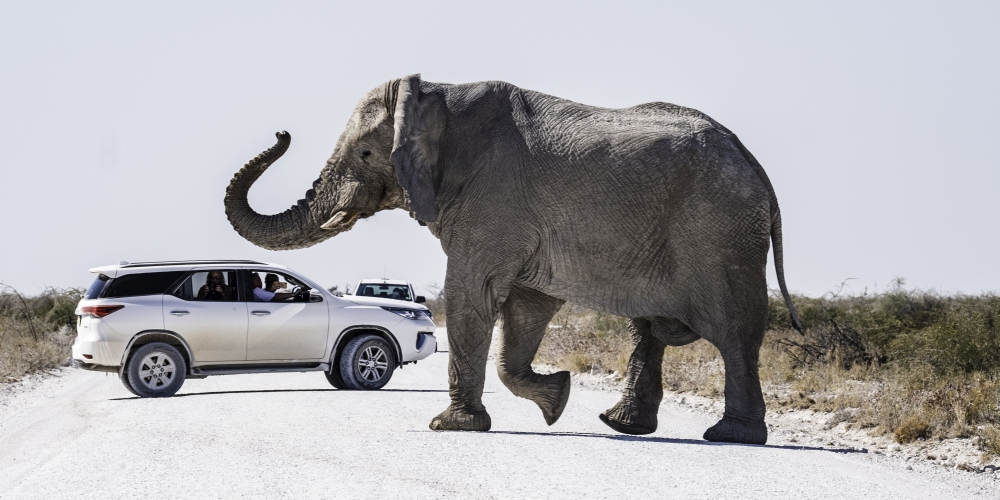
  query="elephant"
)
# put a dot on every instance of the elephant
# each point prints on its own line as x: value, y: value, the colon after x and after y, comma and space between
x: 656, y: 213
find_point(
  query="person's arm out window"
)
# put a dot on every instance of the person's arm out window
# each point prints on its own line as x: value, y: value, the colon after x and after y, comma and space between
x: 263, y: 295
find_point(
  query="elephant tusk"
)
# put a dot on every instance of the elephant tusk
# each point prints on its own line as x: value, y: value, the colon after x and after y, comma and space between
x: 340, y: 218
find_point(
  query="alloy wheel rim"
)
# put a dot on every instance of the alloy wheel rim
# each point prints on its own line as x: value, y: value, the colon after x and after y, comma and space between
x: 373, y: 363
x: 157, y: 370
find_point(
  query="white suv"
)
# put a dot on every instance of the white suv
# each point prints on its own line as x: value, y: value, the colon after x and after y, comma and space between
x: 388, y: 289
x: 159, y: 323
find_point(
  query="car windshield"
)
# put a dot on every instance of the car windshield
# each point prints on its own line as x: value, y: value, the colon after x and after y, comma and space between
x: 398, y: 292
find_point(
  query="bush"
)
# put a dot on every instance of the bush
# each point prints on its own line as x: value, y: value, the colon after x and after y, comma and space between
x: 909, y: 363
x: 36, y: 333
x: 966, y: 339
x: 437, y: 305
x: 912, y: 429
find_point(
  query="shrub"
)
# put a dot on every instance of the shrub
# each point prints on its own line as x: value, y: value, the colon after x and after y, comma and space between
x: 989, y: 440
x: 35, y: 332
x: 909, y: 363
x: 912, y: 429
x: 966, y: 339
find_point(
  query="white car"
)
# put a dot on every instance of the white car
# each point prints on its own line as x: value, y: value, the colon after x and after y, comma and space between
x: 159, y: 323
x: 388, y: 289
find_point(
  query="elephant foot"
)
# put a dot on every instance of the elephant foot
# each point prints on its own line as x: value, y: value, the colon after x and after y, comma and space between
x: 630, y: 419
x: 553, y: 400
x: 457, y: 419
x: 730, y: 430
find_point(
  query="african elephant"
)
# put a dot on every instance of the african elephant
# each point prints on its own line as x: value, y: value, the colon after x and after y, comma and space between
x: 655, y: 212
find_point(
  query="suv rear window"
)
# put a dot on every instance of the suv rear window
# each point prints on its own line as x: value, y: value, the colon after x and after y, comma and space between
x: 133, y: 285
x: 97, y: 286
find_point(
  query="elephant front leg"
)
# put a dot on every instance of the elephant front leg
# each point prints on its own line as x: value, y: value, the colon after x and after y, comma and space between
x: 470, y: 327
x: 636, y: 412
x: 526, y: 314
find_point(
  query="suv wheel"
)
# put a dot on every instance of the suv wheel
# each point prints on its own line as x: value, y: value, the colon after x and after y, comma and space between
x: 367, y: 363
x: 334, y: 378
x: 156, y: 370
x: 123, y: 375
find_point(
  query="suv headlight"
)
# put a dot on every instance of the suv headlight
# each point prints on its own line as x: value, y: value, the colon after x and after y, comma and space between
x: 409, y: 313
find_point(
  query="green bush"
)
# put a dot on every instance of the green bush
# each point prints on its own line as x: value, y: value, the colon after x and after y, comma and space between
x: 952, y: 334
x: 965, y: 339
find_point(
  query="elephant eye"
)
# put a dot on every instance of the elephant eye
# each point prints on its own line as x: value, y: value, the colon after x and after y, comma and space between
x: 366, y: 153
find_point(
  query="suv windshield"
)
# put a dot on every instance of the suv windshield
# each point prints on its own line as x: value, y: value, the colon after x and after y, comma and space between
x: 398, y: 292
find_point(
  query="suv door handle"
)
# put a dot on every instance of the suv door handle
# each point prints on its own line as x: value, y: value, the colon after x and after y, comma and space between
x: 260, y: 313
x: 179, y: 313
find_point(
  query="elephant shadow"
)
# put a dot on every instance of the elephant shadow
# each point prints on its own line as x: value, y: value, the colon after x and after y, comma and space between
x: 651, y: 439
x: 264, y: 391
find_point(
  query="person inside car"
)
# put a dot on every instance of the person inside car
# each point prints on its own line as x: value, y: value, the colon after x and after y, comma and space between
x: 262, y: 294
x: 215, y: 288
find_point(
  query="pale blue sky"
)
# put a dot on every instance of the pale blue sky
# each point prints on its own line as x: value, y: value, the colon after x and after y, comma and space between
x: 122, y: 123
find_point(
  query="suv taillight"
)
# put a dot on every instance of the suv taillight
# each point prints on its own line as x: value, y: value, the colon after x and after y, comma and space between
x: 99, y: 311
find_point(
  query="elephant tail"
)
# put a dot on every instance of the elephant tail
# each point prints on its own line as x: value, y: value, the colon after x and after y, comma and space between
x: 775, y: 235
x: 779, y: 262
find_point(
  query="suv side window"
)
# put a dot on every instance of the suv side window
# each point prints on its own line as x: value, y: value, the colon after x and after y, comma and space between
x: 134, y: 285
x: 273, y: 282
x: 215, y: 285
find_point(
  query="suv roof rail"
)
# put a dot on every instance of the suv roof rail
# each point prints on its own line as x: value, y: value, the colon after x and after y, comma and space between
x: 195, y: 262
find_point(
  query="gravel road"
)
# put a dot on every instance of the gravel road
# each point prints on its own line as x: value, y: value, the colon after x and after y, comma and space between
x: 80, y: 434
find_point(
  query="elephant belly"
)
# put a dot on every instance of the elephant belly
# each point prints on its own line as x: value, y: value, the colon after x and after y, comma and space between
x: 657, y: 270
x: 672, y: 331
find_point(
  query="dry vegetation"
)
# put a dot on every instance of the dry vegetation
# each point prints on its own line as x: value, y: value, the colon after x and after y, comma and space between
x: 36, y: 333
x: 915, y: 365
x: 912, y: 364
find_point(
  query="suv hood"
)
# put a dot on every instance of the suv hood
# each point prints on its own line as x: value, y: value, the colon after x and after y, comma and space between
x: 383, y: 302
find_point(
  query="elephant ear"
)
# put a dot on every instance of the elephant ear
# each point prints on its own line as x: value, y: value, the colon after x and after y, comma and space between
x: 419, y: 122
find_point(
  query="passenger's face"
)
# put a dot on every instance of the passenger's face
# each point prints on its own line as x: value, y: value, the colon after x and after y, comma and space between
x: 256, y: 282
x: 215, y: 279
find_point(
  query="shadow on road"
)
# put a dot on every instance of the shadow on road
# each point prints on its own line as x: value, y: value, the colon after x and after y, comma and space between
x: 649, y: 439
x: 265, y: 391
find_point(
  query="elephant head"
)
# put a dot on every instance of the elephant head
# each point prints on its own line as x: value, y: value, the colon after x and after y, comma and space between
x: 382, y: 161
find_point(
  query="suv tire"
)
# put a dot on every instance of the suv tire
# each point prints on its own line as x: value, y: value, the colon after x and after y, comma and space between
x: 334, y: 378
x: 123, y: 375
x: 367, y: 363
x: 156, y: 370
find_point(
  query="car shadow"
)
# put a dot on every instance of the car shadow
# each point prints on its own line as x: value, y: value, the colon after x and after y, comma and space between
x: 266, y: 391
x: 653, y: 439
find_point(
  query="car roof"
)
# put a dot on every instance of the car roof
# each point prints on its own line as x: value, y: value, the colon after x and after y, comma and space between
x: 123, y: 267
x: 382, y: 281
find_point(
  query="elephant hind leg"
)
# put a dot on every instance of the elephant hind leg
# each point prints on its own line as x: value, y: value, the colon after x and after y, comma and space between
x: 636, y: 412
x: 526, y: 314
x: 738, y: 335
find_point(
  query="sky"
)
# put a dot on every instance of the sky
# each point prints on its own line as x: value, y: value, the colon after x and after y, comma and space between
x: 122, y: 123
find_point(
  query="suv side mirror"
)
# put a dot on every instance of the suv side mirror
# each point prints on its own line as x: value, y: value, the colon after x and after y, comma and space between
x: 420, y: 299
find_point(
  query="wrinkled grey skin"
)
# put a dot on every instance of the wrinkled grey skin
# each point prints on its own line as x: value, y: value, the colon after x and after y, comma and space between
x: 655, y: 212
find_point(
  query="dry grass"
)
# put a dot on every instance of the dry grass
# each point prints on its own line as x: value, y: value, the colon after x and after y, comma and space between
x: 910, y: 364
x: 586, y: 341
x: 36, y: 333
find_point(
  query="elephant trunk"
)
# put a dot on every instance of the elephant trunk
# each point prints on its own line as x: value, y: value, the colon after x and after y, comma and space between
x: 297, y: 227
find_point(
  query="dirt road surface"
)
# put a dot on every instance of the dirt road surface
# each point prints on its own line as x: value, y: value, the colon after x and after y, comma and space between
x: 81, y: 435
